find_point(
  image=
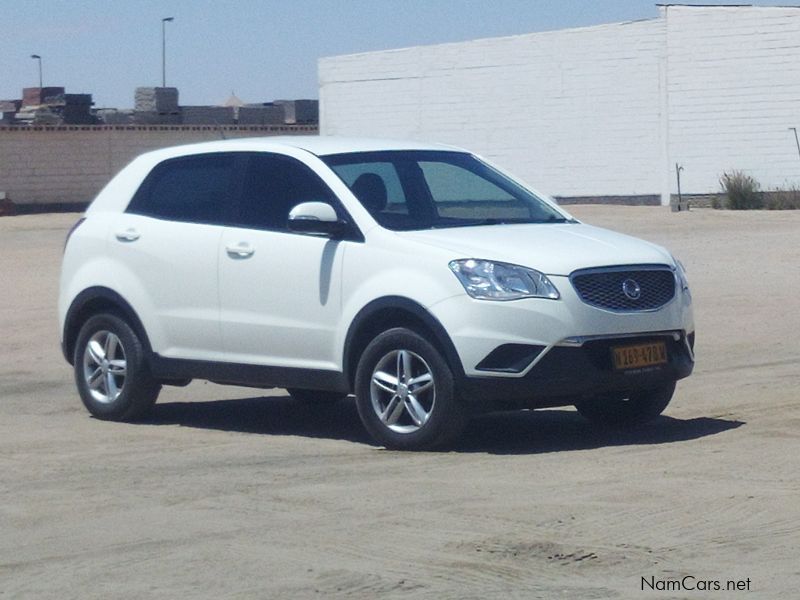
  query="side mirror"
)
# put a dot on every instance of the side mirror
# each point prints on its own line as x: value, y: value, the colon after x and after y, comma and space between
x: 316, y: 218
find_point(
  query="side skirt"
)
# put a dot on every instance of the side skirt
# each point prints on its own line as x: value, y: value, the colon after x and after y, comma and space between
x: 248, y: 375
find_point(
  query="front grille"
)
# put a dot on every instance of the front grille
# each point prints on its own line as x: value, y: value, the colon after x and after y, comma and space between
x: 625, y: 289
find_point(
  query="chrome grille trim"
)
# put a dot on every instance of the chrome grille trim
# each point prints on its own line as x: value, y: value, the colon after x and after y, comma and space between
x: 579, y: 340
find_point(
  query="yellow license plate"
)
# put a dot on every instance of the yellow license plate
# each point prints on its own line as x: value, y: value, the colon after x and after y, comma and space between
x: 641, y: 355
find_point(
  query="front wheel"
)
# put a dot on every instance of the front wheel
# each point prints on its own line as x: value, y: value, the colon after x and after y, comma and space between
x: 405, y: 393
x: 111, y: 370
x: 627, y: 410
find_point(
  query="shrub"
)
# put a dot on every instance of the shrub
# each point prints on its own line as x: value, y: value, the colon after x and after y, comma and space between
x: 783, y: 199
x: 741, y: 191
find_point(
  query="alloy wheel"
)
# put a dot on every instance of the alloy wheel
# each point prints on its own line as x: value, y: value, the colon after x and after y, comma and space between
x: 104, y: 366
x: 403, y: 391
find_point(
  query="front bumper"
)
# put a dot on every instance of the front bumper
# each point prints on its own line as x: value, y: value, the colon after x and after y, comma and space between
x: 478, y: 327
x: 568, y: 373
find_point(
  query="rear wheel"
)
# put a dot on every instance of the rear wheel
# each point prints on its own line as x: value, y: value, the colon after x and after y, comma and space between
x: 405, y: 393
x: 111, y: 372
x: 631, y: 409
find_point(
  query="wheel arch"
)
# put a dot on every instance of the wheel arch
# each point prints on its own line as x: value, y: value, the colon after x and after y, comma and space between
x: 395, y: 311
x: 92, y: 301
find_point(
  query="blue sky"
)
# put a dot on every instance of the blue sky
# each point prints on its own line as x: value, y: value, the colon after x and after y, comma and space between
x: 261, y: 49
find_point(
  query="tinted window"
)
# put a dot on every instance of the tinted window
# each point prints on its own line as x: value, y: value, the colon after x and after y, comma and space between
x: 194, y: 189
x: 437, y: 189
x: 394, y: 200
x: 272, y: 186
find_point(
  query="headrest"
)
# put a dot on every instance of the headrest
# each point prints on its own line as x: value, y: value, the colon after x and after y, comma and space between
x: 370, y: 189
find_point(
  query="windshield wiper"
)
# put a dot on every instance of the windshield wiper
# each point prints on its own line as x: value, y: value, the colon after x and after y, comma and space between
x: 497, y: 221
x: 559, y: 220
x: 479, y: 222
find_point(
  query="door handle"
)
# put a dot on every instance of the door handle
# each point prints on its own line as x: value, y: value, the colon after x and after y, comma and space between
x: 129, y: 235
x: 240, y: 250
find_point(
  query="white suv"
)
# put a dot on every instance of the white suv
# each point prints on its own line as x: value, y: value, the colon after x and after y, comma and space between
x: 420, y: 278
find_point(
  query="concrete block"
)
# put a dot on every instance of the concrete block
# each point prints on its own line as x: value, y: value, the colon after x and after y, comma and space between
x: 154, y: 118
x: 299, y: 111
x: 268, y: 114
x: 34, y: 96
x: 113, y: 116
x: 207, y: 115
x: 156, y: 99
x: 7, y: 207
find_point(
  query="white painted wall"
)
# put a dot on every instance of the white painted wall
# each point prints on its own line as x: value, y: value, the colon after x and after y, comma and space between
x: 573, y: 112
x: 596, y: 111
x: 734, y: 90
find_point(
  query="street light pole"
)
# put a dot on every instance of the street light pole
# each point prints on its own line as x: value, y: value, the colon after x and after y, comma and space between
x: 39, y: 58
x: 796, y: 141
x: 164, y: 22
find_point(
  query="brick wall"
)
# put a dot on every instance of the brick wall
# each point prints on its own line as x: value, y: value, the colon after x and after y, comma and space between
x: 64, y: 165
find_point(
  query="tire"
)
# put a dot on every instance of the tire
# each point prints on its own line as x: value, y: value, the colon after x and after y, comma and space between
x: 119, y: 388
x: 315, y: 396
x: 635, y: 409
x: 425, y: 414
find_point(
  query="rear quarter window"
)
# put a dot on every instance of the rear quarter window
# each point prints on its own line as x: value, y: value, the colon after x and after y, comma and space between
x: 194, y: 189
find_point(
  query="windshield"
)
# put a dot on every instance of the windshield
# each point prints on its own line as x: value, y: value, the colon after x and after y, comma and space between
x: 421, y: 189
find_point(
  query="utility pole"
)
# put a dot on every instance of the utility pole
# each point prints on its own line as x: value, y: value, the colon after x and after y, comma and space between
x: 680, y: 207
x: 796, y: 141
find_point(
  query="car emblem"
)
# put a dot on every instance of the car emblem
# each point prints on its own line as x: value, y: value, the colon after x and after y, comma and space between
x: 631, y: 289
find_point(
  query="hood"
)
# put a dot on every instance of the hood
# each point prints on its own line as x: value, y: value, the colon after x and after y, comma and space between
x: 553, y: 249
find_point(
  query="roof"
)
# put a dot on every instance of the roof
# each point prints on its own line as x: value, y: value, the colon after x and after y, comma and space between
x: 315, y: 144
x: 322, y: 145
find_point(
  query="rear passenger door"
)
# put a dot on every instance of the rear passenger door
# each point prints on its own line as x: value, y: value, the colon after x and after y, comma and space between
x: 280, y: 291
x: 165, y: 248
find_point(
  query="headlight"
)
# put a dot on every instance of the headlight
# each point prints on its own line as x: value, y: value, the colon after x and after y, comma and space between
x: 489, y: 280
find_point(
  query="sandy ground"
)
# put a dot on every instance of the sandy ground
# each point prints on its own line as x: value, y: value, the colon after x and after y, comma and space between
x: 244, y: 494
